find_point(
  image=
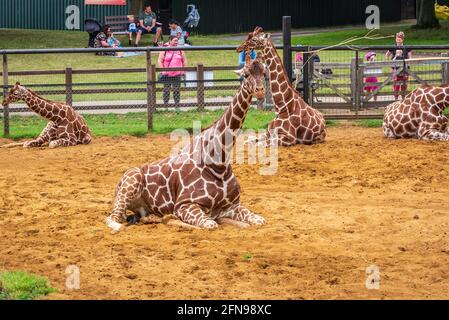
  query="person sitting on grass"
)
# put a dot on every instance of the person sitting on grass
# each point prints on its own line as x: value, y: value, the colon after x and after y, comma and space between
x: 102, y: 41
x: 175, y: 30
x: 114, y: 42
x: 147, y: 20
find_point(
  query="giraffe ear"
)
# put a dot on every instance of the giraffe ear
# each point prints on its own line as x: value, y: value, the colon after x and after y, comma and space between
x: 257, y: 30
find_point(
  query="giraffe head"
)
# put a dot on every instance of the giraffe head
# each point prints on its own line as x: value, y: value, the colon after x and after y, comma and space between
x: 253, y: 74
x: 257, y: 40
x: 15, y: 94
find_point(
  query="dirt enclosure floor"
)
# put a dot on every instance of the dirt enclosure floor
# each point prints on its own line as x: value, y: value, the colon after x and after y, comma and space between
x: 333, y: 210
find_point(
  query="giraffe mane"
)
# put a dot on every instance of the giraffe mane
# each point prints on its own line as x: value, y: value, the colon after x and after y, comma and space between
x: 40, y: 97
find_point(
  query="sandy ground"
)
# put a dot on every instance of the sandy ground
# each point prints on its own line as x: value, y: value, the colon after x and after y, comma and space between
x: 332, y: 209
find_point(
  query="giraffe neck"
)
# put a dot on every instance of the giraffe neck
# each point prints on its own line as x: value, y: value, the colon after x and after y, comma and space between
x: 38, y: 105
x: 225, y: 130
x: 235, y: 114
x: 279, y: 81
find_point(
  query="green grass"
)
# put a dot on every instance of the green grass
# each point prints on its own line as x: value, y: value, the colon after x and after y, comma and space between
x: 135, y: 124
x: 370, y: 123
x: 413, y: 36
x: 19, y: 285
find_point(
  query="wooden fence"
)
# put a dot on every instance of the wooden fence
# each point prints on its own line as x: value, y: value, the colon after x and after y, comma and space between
x: 339, y: 95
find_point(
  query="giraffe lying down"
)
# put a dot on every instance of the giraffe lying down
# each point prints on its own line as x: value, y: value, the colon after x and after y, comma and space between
x: 65, y: 127
x: 196, y: 185
x: 419, y: 115
x: 295, y: 122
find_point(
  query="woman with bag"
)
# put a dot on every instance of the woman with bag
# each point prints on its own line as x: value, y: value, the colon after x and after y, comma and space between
x: 172, y: 59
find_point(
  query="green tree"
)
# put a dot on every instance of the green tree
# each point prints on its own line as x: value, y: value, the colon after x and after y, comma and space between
x: 425, y: 15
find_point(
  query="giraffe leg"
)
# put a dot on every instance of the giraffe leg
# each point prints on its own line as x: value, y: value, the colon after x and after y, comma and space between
x: 193, y: 214
x: 429, y: 132
x: 242, y: 214
x: 86, y: 139
x: 46, y: 135
x: 128, y: 190
x: 286, y: 141
x: 65, y: 136
x: 388, y: 133
x: 68, y: 141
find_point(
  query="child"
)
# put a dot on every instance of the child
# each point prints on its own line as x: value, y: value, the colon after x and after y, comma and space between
x: 113, y: 42
x: 175, y: 30
x: 132, y: 28
x: 370, y: 73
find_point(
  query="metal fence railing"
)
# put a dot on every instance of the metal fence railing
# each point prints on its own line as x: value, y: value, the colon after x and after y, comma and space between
x: 332, y: 80
x: 341, y: 83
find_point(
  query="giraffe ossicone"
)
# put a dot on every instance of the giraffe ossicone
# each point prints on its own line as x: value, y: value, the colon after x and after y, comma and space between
x: 296, y: 122
x: 419, y: 115
x: 65, y: 127
x: 197, y: 184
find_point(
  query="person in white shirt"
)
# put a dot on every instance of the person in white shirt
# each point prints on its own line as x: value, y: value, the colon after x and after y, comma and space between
x: 176, y: 30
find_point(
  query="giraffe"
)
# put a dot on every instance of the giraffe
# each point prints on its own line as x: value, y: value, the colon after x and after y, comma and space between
x: 419, y: 115
x: 196, y: 185
x: 295, y: 121
x: 65, y: 126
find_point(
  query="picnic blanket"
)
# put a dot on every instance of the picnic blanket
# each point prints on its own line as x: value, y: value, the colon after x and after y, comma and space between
x: 128, y: 54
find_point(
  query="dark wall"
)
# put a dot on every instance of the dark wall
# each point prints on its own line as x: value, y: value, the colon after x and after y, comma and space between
x: 242, y: 15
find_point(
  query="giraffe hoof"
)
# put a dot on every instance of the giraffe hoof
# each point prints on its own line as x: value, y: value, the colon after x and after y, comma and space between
x: 257, y: 220
x: 209, y: 224
x: 114, y: 225
x: 53, y: 144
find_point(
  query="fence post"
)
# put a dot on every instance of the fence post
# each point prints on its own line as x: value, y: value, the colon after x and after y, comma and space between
x: 151, y: 95
x: 5, y: 92
x: 151, y: 90
x: 68, y: 86
x: 287, y: 39
x: 445, y: 70
x: 360, y: 83
x: 307, y: 74
x: 200, y: 86
x: 355, y: 85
